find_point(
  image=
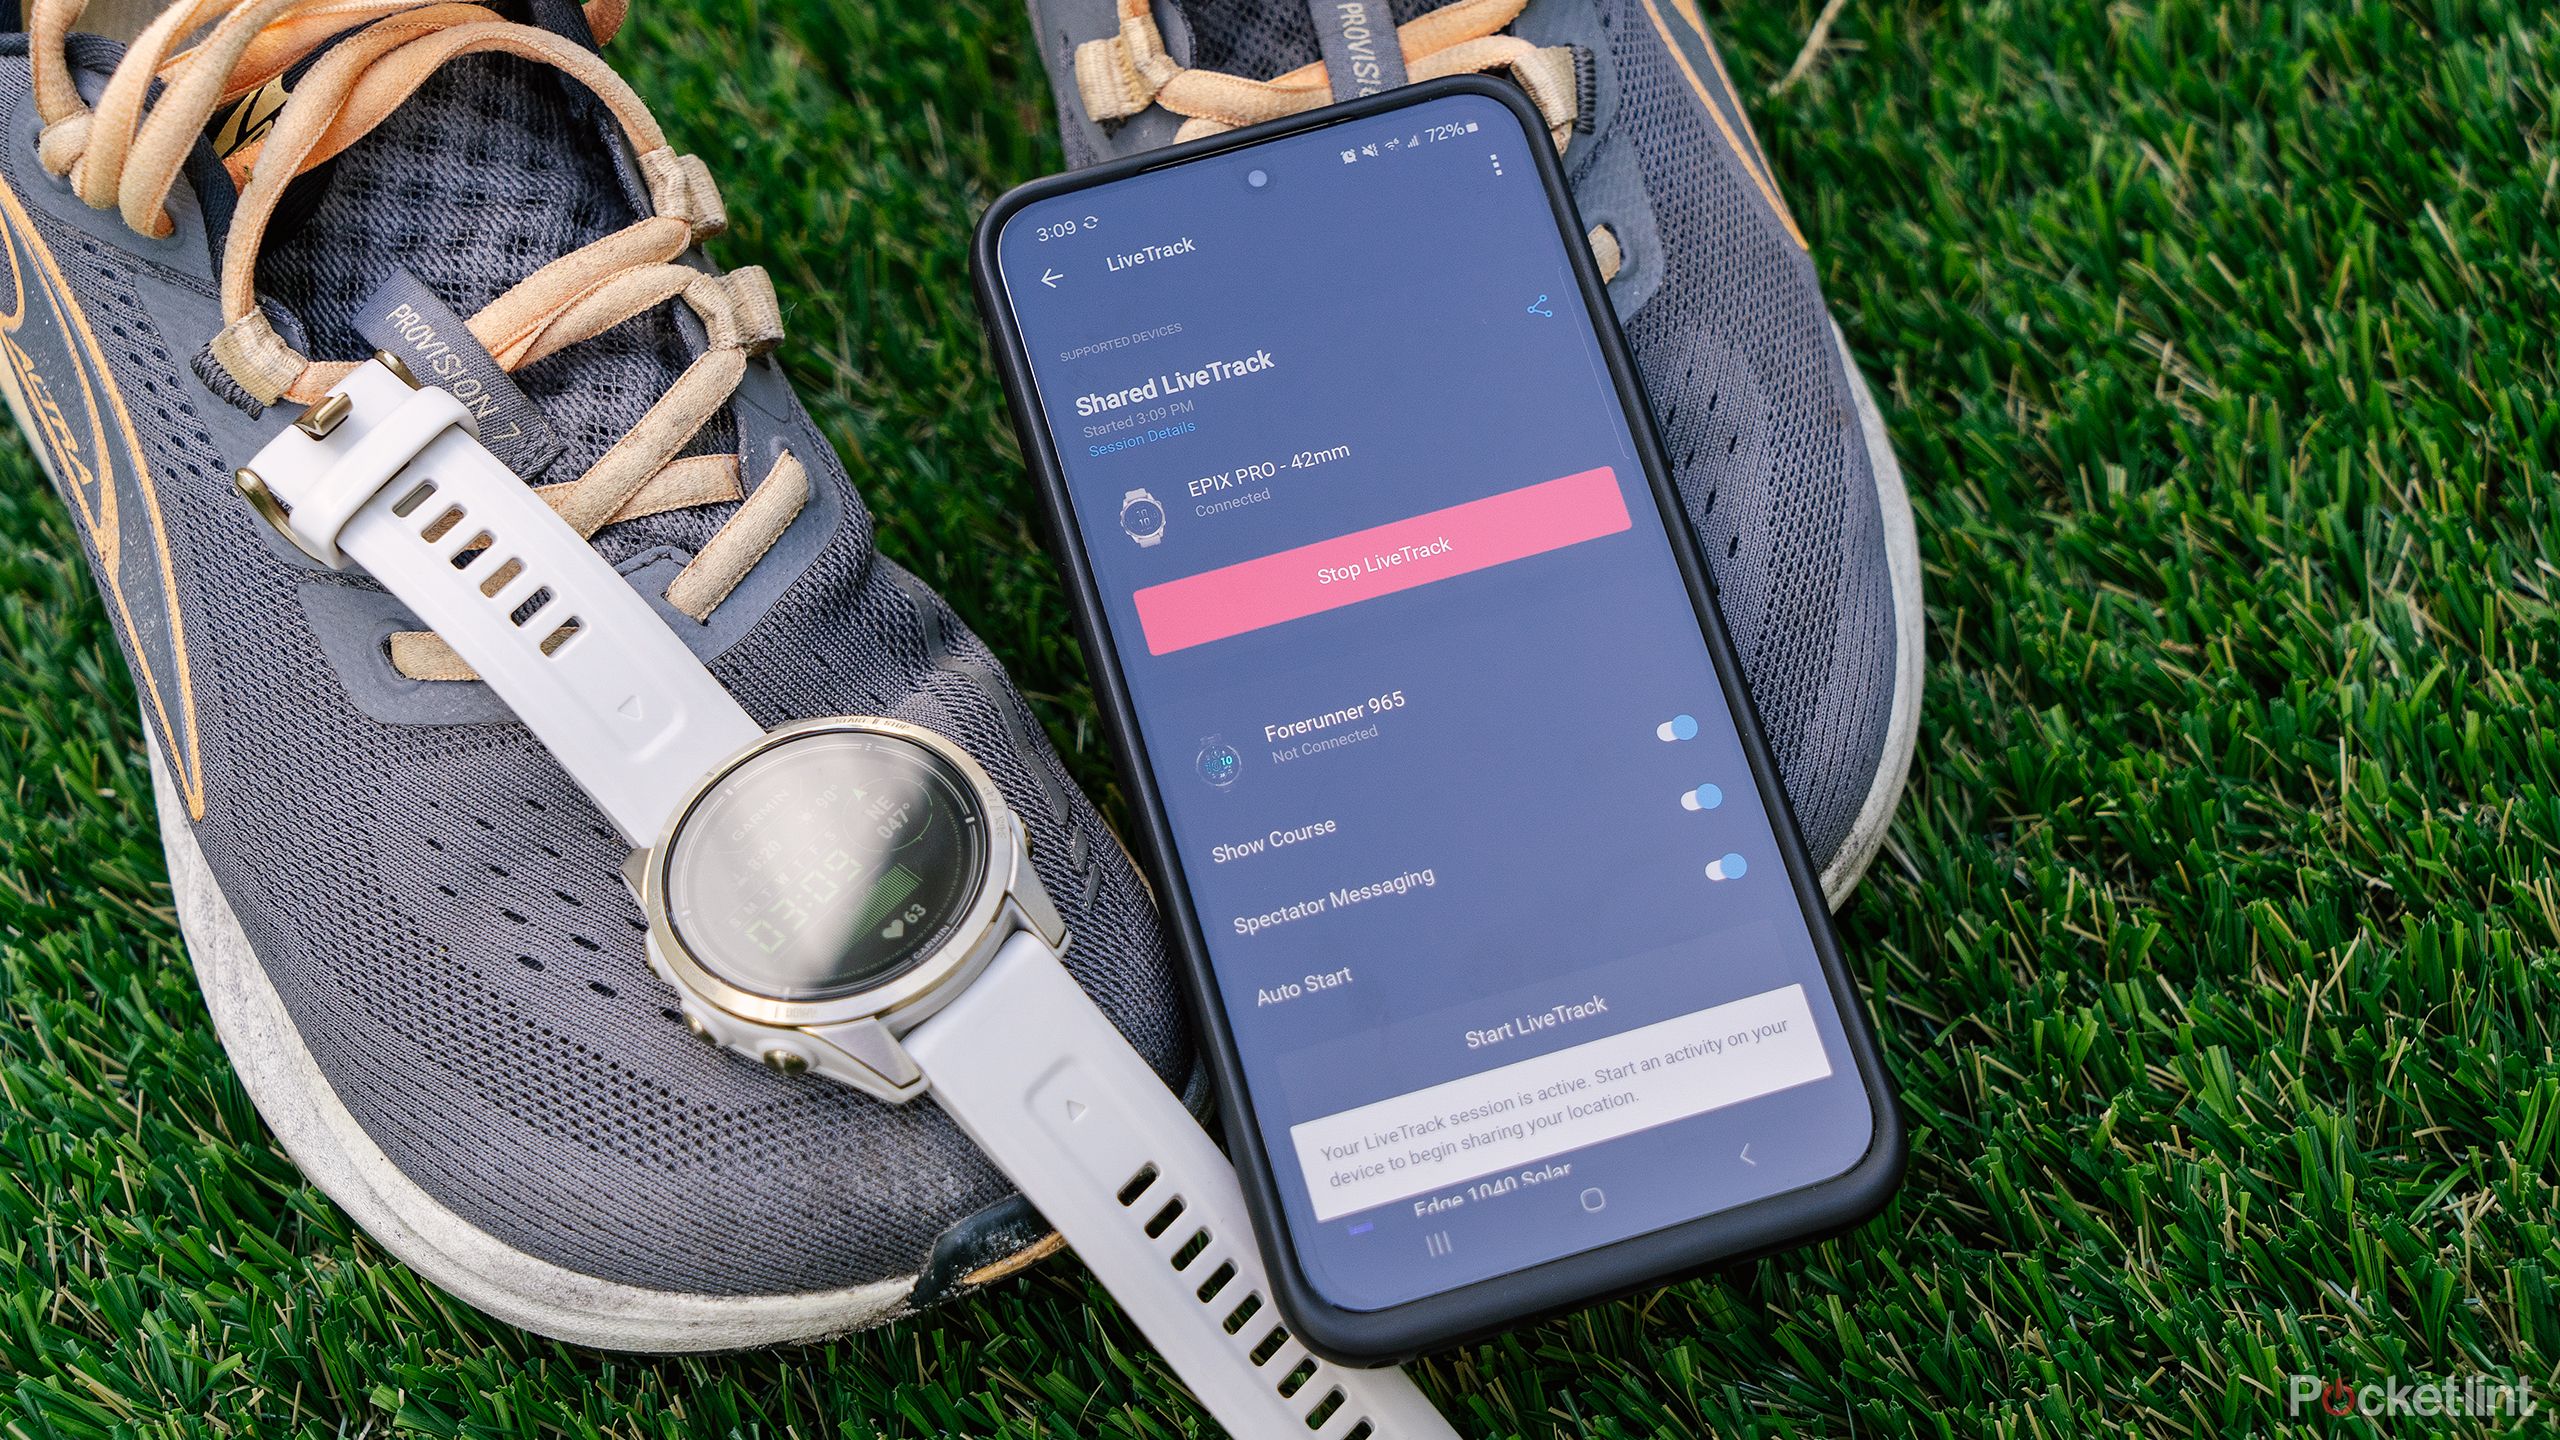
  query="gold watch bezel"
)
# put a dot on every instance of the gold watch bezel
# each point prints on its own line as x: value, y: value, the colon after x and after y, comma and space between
x: 920, y: 987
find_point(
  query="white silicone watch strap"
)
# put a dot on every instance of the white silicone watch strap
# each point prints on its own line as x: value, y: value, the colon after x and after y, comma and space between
x: 1022, y: 1059
x: 1036, y: 1074
x: 401, y: 486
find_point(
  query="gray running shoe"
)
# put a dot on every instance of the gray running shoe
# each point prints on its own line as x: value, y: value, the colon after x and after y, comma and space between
x: 1780, y: 453
x: 409, y: 926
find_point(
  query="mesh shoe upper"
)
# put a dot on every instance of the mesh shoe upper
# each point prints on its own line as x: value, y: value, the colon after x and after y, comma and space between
x: 1751, y: 392
x: 1724, y: 314
x: 439, y: 909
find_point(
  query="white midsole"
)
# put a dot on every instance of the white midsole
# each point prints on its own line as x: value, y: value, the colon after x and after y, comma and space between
x: 476, y: 1267
x: 1902, y: 720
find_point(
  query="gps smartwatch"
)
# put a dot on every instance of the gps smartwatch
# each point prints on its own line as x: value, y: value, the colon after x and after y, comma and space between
x: 1142, y: 515
x: 847, y: 895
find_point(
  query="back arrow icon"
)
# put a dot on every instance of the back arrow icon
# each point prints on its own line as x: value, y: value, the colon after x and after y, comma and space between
x: 1746, y: 1156
x: 1050, y: 278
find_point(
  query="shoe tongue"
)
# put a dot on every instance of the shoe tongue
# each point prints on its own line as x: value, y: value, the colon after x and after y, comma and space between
x: 1262, y: 38
x: 495, y: 167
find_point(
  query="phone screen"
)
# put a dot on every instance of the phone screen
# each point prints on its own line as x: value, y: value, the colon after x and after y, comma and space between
x: 1495, y: 906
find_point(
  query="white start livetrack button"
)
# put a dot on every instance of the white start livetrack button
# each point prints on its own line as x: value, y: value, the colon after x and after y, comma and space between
x: 1581, y: 1095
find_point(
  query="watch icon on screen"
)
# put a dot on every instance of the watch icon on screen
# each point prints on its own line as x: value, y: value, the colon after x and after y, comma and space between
x: 1142, y: 516
x: 1219, y: 763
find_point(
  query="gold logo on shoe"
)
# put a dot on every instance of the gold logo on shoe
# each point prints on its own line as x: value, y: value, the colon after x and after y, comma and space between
x: 66, y: 400
x: 245, y: 121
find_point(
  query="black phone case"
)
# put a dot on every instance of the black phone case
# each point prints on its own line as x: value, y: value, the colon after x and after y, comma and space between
x: 1642, y: 1262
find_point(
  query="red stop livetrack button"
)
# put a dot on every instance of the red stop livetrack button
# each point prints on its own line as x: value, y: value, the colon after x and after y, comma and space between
x: 1382, y: 560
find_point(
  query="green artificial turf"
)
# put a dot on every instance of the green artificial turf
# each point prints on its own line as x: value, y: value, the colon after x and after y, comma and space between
x: 2214, y: 944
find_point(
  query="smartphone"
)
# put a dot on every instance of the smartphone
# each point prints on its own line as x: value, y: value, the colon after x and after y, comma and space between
x: 1508, y: 958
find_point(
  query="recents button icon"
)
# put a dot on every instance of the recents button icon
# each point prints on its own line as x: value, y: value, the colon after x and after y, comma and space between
x: 1381, y: 560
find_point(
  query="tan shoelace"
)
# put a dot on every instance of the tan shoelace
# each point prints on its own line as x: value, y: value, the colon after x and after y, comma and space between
x: 1122, y: 75
x: 128, y: 155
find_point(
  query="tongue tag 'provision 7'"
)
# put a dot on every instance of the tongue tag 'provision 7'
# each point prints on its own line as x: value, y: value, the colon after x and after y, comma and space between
x: 403, y: 317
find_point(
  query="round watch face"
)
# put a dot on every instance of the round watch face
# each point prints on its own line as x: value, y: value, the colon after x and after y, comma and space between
x: 1142, y: 517
x: 825, y: 865
x: 1218, y: 761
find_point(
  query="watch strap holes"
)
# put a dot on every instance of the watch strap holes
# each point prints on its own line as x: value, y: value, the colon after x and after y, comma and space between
x: 1137, y: 1185
x: 417, y: 496
x: 1216, y: 1282
x: 1308, y: 1388
x: 503, y: 577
